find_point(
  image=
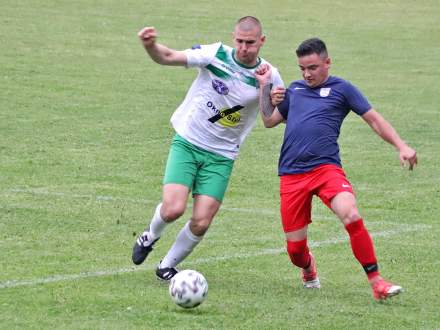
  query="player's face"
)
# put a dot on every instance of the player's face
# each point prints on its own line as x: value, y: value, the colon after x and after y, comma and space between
x: 314, y: 69
x: 247, y: 45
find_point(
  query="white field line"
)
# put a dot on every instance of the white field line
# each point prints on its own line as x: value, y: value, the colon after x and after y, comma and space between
x: 59, y: 278
x: 79, y: 196
x: 131, y: 200
x: 40, y: 191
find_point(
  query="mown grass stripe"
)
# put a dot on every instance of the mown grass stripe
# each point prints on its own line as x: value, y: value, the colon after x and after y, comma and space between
x: 72, y: 277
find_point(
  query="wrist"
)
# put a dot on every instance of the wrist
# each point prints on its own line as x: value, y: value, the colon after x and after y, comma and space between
x: 264, y: 83
x: 400, y: 146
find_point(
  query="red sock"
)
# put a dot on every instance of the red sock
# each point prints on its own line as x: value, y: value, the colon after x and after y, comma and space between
x: 298, y: 252
x: 363, y: 248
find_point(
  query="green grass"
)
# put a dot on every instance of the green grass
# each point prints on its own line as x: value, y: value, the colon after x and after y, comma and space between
x: 84, y: 133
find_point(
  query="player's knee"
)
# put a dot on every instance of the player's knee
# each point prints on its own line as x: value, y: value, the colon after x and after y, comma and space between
x: 296, y: 248
x: 199, y: 226
x: 299, y: 253
x: 171, y: 212
x: 351, y: 216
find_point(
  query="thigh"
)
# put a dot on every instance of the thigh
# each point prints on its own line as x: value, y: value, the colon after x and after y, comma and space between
x: 205, y: 207
x: 174, y: 200
x: 181, y: 165
x: 332, y: 181
x: 344, y: 206
x: 297, y: 235
x: 204, y: 210
x: 213, y: 176
x: 296, y: 204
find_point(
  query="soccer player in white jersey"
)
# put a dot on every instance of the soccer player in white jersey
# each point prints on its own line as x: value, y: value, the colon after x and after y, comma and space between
x: 218, y: 112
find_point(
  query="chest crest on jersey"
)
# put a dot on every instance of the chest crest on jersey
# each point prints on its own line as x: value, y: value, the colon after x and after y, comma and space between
x: 220, y: 87
x: 324, y: 92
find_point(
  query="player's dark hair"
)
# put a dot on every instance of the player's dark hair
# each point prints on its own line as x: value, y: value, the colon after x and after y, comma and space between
x: 312, y: 46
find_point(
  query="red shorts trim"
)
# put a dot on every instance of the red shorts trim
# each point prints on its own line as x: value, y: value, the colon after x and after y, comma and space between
x: 297, y: 190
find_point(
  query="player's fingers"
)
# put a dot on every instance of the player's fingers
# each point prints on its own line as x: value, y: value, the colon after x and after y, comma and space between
x: 142, y: 31
x: 402, y: 161
x: 147, y: 32
x: 413, y: 162
x: 280, y: 89
x: 149, y: 35
x: 260, y: 70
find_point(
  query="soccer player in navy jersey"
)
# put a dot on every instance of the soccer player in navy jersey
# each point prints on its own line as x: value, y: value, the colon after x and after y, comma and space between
x: 313, y: 110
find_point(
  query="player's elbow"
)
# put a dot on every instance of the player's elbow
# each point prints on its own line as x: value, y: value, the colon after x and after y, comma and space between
x: 163, y: 60
x: 269, y: 123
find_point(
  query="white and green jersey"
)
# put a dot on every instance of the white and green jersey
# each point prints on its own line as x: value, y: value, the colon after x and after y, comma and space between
x: 221, y: 107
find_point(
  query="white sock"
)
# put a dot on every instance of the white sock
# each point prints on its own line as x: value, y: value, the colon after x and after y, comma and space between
x: 157, y: 225
x: 185, y: 242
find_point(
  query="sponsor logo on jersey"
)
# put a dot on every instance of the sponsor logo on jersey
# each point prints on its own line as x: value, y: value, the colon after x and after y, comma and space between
x: 220, y: 87
x: 227, y: 117
x: 324, y: 92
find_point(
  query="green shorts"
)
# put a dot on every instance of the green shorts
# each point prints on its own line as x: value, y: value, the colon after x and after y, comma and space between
x: 203, y: 172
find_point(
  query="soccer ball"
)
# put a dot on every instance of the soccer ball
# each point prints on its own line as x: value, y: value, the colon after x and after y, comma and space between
x: 188, y: 288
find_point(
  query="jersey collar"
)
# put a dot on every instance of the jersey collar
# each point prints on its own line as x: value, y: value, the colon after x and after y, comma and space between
x: 243, y: 65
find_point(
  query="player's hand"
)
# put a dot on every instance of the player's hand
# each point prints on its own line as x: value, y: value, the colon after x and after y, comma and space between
x: 277, y: 95
x: 408, y: 157
x: 148, y: 36
x: 263, y: 74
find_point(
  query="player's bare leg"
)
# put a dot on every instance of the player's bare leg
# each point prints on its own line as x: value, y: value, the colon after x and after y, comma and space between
x: 173, y: 205
x: 344, y: 206
x: 204, y: 210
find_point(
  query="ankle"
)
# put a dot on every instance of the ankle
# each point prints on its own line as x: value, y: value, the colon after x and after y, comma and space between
x: 374, y: 278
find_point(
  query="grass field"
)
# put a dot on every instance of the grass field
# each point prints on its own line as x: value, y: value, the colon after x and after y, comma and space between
x: 84, y: 134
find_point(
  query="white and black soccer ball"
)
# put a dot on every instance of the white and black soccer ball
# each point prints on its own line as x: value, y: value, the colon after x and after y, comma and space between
x: 188, y: 288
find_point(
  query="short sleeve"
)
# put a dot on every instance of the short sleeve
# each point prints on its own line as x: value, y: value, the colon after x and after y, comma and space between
x: 356, y: 100
x: 283, y: 107
x: 201, y: 55
x: 277, y: 81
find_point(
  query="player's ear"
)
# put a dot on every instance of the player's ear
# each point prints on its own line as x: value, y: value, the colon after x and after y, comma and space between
x: 328, y: 61
x: 262, y: 39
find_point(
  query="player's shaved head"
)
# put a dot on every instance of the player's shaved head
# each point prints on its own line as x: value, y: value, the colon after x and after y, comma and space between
x: 248, y: 39
x: 249, y: 23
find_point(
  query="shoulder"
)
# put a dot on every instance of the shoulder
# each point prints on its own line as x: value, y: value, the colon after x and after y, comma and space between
x: 201, y: 55
x: 264, y: 61
x: 342, y: 85
x: 338, y: 81
x: 214, y: 47
x: 298, y: 84
x: 274, y: 69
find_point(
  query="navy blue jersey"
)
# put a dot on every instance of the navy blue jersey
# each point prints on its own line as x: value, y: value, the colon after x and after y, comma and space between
x: 313, y: 121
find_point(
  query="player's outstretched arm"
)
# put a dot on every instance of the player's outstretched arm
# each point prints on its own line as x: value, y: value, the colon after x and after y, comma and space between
x: 269, y: 113
x: 383, y: 128
x: 160, y: 53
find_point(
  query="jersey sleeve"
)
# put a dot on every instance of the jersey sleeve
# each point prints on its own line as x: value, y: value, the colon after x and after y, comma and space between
x: 356, y: 100
x: 276, y: 81
x: 283, y: 107
x: 201, y: 55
